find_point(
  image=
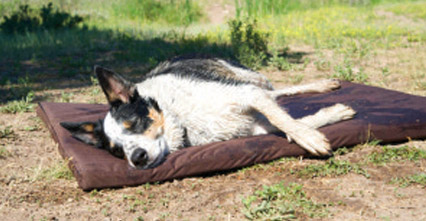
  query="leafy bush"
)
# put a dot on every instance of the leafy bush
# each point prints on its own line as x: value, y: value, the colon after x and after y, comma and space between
x: 27, y: 19
x: 248, y: 43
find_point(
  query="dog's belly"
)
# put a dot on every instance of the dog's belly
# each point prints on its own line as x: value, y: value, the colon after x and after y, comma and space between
x: 209, y: 111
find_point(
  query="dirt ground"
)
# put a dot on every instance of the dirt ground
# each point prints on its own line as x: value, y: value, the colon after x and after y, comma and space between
x: 28, y: 194
x: 31, y: 191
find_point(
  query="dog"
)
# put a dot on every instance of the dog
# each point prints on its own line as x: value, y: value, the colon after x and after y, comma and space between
x: 188, y: 101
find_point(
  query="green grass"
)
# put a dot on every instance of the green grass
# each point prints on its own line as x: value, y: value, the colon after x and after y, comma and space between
x: 59, y: 170
x: 388, y: 155
x: 331, y: 167
x: 19, y: 106
x: 281, y: 202
x: 414, y: 10
x: 416, y: 179
x: 175, y: 12
x: 265, y: 8
x: 341, y: 27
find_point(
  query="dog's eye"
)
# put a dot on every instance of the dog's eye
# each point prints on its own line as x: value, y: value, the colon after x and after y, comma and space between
x: 127, y: 124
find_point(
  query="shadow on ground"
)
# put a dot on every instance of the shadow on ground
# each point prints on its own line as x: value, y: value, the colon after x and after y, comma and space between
x: 65, y: 59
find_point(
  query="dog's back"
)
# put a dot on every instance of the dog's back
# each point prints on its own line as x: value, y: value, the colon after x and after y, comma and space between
x: 204, y: 68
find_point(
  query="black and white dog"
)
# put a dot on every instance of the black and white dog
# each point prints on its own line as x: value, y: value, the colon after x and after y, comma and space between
x: 194, y: 101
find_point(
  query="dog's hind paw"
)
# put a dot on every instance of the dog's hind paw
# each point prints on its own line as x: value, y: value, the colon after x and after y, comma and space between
x: 328, y: 85
x: 340, y: 112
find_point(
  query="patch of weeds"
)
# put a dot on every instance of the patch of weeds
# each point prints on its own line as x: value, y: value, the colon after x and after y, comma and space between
x: 23, y: 105
x: 31, y: 128
x: 27, y: 19
x: 332, y: 167
x: 347, y: 73
x: 341, y: 151
x: 94, y: 193
x: 66, y: 97
x: 7, y: 133
x: 57, y: 171
x: 248, y: 43
x: 322, y: 65
x: 281, y: 202
x: 280, y: 62
x: 139, y: 218
x: 419, y: 179
x: 387, y: 155
x: 356, y: 49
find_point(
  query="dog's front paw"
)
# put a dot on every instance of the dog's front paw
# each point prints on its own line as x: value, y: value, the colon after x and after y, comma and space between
x: 328, y: 85
x: 310, y: 139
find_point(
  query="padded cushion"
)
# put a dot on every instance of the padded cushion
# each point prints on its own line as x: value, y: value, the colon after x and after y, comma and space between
x: 382, y: 114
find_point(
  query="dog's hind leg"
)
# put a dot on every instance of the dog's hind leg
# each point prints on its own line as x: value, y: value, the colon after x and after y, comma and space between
x: 325, y: 116
x: 315, y: 87
x: 310, y: 139
x: 329, y: 115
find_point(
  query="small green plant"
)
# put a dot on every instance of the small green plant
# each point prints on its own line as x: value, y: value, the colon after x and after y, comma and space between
x: 281, y: 202
x: 419, y: 179
x: 387, y: 155
x: 66, y: 97
x: 322, y: 65
x: 94, y: 193
x: 27, y: 19
x: 332, y: 167
x: 23, y: 105
x: 248, y: 43
x: 280, y: 62
x: 7, y: 132
x: 346, y: 72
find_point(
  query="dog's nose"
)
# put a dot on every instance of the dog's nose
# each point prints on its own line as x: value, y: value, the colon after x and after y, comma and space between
x: 139, y: 157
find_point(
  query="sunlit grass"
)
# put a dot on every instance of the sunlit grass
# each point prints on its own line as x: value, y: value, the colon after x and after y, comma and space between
x: 338, y: 26
x: 413, y: 10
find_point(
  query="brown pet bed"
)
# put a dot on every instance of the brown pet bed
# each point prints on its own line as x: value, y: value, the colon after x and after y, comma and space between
x: 384, y: 115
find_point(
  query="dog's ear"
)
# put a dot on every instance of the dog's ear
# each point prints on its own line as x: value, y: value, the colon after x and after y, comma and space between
x: 117, y: 89
x: 83, y: 131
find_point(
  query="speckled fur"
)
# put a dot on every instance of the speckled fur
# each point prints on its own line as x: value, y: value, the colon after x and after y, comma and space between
x: 208, y: 100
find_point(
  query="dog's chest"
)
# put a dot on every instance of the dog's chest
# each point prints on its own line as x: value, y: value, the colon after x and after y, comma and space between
x: 209, y: 111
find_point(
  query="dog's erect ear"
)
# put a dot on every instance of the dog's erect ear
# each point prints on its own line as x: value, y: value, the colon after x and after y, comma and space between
x: 117, y: 89
x: 83, y: 131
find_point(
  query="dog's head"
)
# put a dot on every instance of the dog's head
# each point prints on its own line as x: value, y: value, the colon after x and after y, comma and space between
x: 133, y: 127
